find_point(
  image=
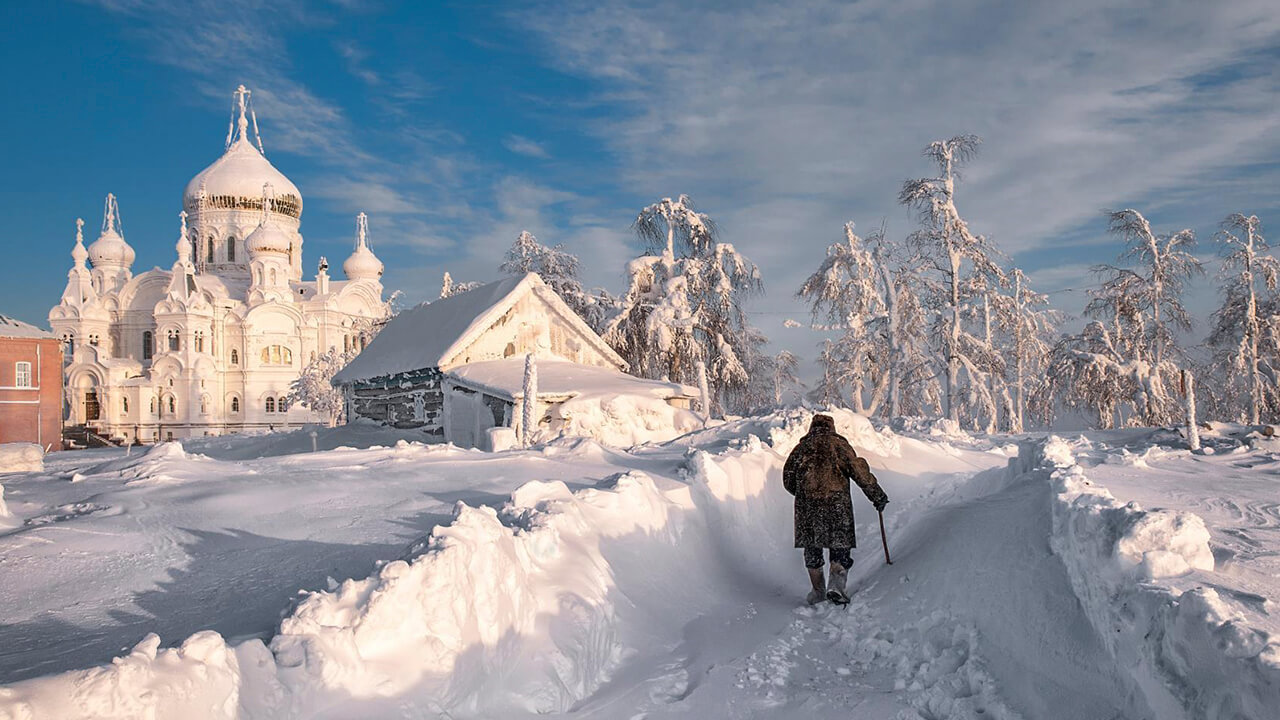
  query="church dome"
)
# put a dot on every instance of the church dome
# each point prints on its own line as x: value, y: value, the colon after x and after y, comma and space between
x: 268, y: 238
x: 362, y: 264
x: 110, y: 249
x: 234, y: 181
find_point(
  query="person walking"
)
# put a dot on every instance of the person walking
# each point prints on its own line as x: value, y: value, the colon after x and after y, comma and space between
x: 817, y: 473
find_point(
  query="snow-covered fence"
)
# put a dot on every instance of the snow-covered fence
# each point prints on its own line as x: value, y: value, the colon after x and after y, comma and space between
x: 1191, y: 655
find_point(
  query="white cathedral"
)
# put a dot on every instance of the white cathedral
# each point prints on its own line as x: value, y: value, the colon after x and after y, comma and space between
x: 212, y: 345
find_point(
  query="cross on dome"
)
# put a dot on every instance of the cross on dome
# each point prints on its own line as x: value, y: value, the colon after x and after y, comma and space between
x: 239, y: 128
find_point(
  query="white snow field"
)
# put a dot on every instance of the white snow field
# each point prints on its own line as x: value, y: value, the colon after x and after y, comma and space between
x: 578, y: 580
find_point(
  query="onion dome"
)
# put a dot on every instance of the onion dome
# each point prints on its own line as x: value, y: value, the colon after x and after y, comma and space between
x: 234, y: 181
x: 110, y: 249
x: 268, y: 238
x: 362, y: 264
x: 78, y: 253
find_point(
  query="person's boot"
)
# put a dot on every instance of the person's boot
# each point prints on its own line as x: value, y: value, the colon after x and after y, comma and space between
x: 819, y: 591
x: 835, y: 587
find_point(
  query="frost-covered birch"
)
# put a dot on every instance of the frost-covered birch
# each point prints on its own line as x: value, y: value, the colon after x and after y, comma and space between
x: 684, y: 303
x: 1248, y: 280
x: 560, y: 270
x: 314, y: 389
x: 948, y: 244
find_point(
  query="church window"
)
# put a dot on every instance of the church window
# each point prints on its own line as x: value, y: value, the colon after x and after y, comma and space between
x: 204, y: 404
x: 22, y: 374
x: 231, y: 249
x: 276, y: 355
x: 173, y: 410
x: 235, y: 404
x: 173, y: 340
x: 208, y: 255
x: 153, y: 406
x: 93, y: 340
x: 69, y: 341
x: 199, y: 339
x: 235, y: 357
x: 148, y: 346
x: 124, y: 405
x: 273, y: 276
x: 271, y: 404
x: 282, y: 405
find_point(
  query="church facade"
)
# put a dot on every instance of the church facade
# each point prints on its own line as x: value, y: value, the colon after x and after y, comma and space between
x: 212, y: 345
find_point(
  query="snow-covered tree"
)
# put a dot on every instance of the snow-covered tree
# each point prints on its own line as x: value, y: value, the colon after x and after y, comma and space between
x: 1167, y: 264
x: 1247, y: 372
x: 448, y: 288
x: 314, y: 389
x: 785, y: 377
x: 870, y: 290
x: 1123, y: 365
x: 558, y: 269
x: 1028, y: 326
x: 684, y: 303
x: 954, y: 253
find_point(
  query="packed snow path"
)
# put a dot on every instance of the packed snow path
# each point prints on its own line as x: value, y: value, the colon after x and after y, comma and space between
x: 668, y: 587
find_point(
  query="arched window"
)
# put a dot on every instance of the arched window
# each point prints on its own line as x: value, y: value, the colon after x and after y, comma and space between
x: 204, y: 404
x: 231, y: 248
x: 153, y: 406
x: 93, y: 340
x: 70, y: 341
x: 208, y: 254
x: 235, y: 404
x: 276, y: 355
x: 173, y: 408
x: 148, y: 348
x: 173, y: 340
x: 271, y: 404
x: 235, y: 357
x: 124, y: 405
x: 273, y: 276
x: 199, y: 338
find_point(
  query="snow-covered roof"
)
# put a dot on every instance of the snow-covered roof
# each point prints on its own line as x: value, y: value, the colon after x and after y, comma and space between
x: 433, y: 334
x: 561, y: 378
x: 14, y: 328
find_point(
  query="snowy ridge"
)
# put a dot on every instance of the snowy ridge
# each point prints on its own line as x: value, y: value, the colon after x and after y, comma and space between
x: 1189, y: 653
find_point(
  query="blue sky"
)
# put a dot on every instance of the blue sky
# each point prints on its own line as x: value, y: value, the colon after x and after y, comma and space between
x: 456, y: 125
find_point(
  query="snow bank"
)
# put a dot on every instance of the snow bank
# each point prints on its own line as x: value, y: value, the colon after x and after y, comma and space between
x: 21, y: 457
x: 527, y: 609
x: 4, y: 508
x: 1191, y: 654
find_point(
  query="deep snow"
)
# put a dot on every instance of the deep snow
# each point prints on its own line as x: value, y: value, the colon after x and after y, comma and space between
x: 580, y: 580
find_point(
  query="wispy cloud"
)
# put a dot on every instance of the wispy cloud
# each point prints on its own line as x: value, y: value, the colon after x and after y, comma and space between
x: 524, y: 146
x: 785, y: 119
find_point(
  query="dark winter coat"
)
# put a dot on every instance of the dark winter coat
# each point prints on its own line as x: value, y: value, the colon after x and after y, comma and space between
x: 818, y: 472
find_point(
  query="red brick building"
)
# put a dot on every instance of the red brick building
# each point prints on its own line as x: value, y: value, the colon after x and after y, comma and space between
x: 30, y: 385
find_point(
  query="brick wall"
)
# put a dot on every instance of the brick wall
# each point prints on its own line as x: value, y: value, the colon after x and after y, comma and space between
x: 31, y: 414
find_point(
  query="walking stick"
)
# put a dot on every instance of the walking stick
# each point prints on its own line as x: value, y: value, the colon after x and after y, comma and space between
x: 883, y: 539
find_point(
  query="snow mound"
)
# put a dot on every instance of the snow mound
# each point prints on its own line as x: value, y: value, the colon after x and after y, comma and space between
x: 1189, y: 653
x: 622, y: 420
x: 21, y: 457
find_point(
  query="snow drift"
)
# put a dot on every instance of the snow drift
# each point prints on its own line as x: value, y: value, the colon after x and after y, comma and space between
x: 1190, y: 654
x: 21, y: 457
